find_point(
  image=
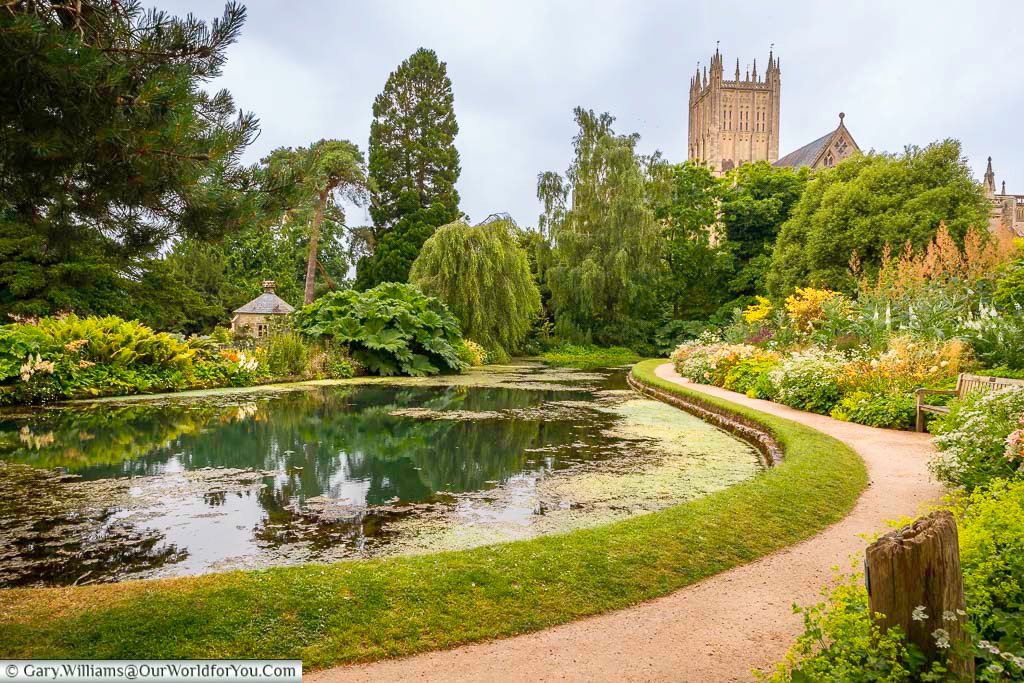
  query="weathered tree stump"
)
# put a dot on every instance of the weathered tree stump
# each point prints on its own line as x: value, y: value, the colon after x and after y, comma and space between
x: 919, y: 566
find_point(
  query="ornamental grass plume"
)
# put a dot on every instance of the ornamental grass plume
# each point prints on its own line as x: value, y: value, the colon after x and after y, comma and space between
x: 941, y: 261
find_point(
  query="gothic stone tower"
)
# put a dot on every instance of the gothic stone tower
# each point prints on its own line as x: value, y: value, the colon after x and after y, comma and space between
x: 733, y: 121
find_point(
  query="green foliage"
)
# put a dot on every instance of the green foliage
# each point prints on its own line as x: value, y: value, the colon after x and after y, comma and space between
x: 413, y: 167
x: 758, y: 198
x: 58, y: 358
x: 889, y: 411
x: 589, y: 356
x: 697, y: 268
x: 287, y: 353
x: 841, y: 643
x: 991, y: 530
x: 1009, y: 294
x: 867, y: 202
x: 321, y: 177
x: 483, y: 276
x: 392, y: 329
x: 972, y: 438
x: 113, y: 145
x: 471, y: 353
x: 606, y: 260
x: 674, y: 332
x: 997, y: 338
x: 752, y: 376
x: 809, y: 381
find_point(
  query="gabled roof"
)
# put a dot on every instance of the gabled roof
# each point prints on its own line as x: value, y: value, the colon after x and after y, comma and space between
x: 806, y: 155
x: 811, y: 153
x: 267, y: 303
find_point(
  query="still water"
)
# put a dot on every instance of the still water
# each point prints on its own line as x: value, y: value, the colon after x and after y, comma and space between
x: 188, y: 484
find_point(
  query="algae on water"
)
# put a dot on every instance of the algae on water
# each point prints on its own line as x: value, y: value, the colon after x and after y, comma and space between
x: 322, y: 471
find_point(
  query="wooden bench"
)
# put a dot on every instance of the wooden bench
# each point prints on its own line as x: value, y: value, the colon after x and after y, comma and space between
x: 965, y: 384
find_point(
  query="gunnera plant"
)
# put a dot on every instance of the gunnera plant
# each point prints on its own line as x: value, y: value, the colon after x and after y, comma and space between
x: 391, y: 329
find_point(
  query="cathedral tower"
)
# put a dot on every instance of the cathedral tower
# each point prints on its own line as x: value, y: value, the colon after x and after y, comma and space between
x: 736, y: 120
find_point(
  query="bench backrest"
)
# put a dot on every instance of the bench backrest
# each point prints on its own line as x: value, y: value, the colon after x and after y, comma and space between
x: 966, y: 383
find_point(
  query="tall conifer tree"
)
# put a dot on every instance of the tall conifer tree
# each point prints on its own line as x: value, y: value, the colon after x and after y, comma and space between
x: 110, y: 147
x: 413, y: 166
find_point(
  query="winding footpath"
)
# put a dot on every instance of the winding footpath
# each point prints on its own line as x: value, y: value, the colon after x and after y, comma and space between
x: 719, y: 629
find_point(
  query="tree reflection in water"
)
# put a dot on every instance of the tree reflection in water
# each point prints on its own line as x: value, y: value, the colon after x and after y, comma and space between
x: 334, y: 469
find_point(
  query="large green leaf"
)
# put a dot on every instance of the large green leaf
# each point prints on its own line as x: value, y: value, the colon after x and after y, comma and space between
x: 394, y: 326
x: 419, y: 365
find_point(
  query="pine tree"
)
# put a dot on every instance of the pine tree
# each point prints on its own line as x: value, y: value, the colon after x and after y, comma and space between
x: 322, y: 175
x: 111, y: 146
x: 483, y: 276
x: 413, y: 166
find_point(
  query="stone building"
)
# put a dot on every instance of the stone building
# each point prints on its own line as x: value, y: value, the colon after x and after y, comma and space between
x: 255, y: 318
x: 734, y: 121
x: 1007, y: 209
x: 825, y: 152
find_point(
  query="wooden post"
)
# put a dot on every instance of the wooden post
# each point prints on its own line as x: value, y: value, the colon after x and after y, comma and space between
x: 919, y: 566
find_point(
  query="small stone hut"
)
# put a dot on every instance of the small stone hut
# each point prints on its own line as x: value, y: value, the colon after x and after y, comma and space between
x: 254, y: 318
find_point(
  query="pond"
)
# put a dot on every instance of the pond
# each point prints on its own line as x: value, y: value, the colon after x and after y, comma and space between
x: 208, y: 481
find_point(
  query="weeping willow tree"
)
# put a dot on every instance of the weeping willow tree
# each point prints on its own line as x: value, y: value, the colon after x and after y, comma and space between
x: 607, y: 263
x: 482, y: 274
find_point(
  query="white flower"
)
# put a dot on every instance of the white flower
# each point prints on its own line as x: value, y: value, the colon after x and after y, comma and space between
x: 941, y: 637
x: 948, y: 616
x: 995, y: 668
x: 919, y: 614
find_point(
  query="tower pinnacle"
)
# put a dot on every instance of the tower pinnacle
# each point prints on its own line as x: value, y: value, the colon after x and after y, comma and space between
x: 990, y: 179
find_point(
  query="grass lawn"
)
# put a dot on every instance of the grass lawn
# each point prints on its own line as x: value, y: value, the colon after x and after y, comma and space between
x: 589, y: 357
x: 364, y: 610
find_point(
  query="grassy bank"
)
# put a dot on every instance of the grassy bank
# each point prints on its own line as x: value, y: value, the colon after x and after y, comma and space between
x: 589, y: 357
x: 364, y: 610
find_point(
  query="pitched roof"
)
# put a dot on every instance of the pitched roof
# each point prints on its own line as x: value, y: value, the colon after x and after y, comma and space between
x: 267, y: 303
x: 806, y: 155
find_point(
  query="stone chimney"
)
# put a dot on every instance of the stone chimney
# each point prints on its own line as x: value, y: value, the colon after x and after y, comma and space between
x: 269, y: 286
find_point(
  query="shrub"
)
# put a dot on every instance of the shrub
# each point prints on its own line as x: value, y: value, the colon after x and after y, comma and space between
x: 221, y: 335
x: 907, y: 364
x: 287, y: 354
x: 391, y: 329
x: 991, y: 531
x: 809, y: 380
x: 759, y: 311
x: 842, y: 644
x: 338, y: 364
x: 472, y: 353
x: 752, y: 376
x: 997, y: 338
x: 64, y: 357
x: 889, y: 411
x: 806, y: 307
x: 710, y: 363
x: 972, y: 438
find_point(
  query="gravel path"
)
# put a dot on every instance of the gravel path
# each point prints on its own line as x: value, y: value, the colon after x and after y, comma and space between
x: 719, y: 629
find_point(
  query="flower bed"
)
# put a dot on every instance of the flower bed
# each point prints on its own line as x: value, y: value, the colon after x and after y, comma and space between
x: 859, y: 385
x: 68, y: 357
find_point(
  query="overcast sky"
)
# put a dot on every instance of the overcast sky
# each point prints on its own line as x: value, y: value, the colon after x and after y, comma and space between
x: 904, y: 73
